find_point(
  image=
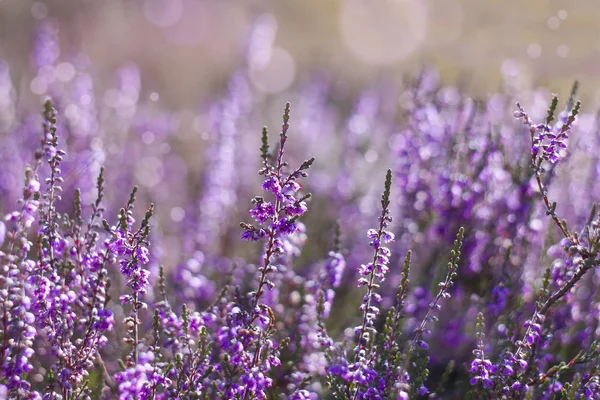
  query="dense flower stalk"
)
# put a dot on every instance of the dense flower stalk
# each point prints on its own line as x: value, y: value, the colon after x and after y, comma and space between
x: 281, y: 218
x: 481, y: 366
x: 130, y: 247
x: 18, y: 328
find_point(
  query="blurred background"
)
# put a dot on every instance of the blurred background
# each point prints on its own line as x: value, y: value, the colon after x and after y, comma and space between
x: 172, y: 95
x: 187, y: 49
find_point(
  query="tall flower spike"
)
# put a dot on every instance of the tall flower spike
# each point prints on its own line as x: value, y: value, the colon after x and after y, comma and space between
x: 443, y: 292
x: 547, y: 142
x: 481, y: 367
x: 276, y: 219
x: 17, y: 329
x: 434, y: 306
x: 131, y: 247
x: 361, y: 374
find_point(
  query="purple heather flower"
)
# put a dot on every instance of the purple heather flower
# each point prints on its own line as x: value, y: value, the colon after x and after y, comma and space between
x: 303, y: 395
x: 551, y: 141
x: 137, y: 382
x: 334, y: 268
x: 271, y: 184
x: 263, y: 211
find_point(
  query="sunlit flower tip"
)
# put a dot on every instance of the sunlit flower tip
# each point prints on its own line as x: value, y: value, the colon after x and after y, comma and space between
x: 371, y: 233
x: 362, y: 281
x: 382, y: 259
x: 366, y: 269
x: 272, y: 185
x: 292, y: 186
x: 388, y: 237
x: 383, y: 269
x: 142, y: 253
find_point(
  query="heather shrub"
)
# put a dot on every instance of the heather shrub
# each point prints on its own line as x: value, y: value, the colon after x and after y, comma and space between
x: 466, y: 271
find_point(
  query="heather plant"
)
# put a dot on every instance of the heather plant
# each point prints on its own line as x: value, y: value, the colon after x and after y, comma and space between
x: 477, y: 288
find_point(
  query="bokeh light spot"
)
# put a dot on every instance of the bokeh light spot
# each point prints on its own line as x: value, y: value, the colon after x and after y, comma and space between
x: 277, y: 75
x: 371, y: 156
x: 65, y: 72
x: 148, y: 137
x: 563, y: 50
x: 385, y: 32
x: 177, y: 214
x: 149, y: 171
x: 163, y: 13
x: 562, y: 14
x: 191, y: 28
x: 446, y: 20
x: 553, y: 23
x: 534, y: 50
x: 38, y: 86
x: 39, y: 10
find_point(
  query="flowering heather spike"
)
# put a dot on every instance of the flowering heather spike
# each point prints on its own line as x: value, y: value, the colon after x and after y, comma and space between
x: 131, y: 247
x: 360, y: 375
x: 401, y: 296
x: 17, y: 329
x: 481, y: 367
x: 279, y: 219
x: 331, y: 274
x: 443, y: 293
x: 546, y: 146
x: 53, y: 157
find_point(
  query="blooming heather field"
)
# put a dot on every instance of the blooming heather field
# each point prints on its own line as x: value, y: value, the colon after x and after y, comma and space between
x: 398, y: 239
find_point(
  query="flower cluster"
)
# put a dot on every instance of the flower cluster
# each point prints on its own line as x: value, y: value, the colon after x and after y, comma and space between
x: 548, y: 142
